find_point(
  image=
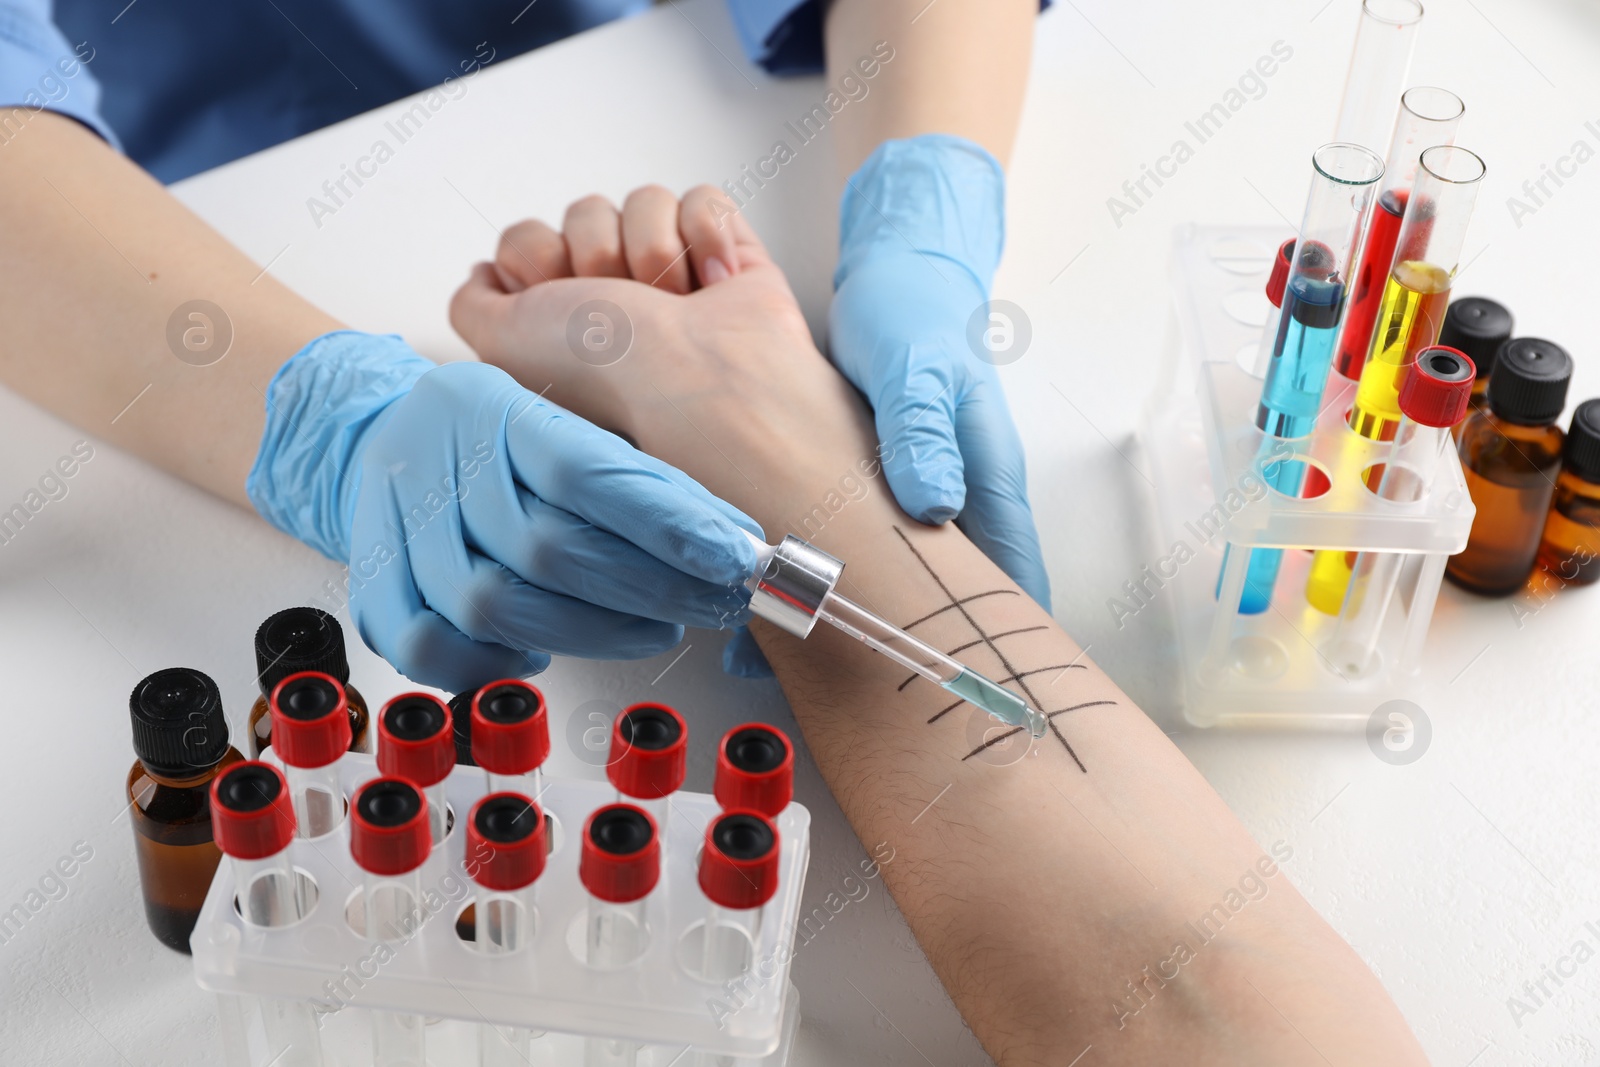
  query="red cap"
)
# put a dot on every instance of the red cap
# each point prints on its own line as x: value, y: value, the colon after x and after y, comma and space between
x: 251, y: 816
x: 739, y: 865
x: 510, y: 730
x: 621, y: 858
x: 1438, y: 386
x: 506, y: 844
x: 415, y: 739
x: 755, y: 769
x: 649, y: 748
x: 389, y: 827
x: 1280, y: 273
x: 310, y: 719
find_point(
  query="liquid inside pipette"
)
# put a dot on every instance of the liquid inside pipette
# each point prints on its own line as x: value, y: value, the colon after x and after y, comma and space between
x: 917, y: 655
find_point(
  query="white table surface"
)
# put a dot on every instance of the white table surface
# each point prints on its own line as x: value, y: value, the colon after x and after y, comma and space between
x: 1458, y: 877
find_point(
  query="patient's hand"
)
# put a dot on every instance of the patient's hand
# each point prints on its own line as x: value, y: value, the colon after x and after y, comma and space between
x: 721, y: 377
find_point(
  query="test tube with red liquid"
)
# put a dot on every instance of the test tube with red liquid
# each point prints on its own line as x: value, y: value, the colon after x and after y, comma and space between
x: 415, y: 742
x: 310, y: 734
x: 253, y: 821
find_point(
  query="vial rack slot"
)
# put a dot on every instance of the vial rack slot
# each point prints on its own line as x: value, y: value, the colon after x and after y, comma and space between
x: 658, y: 1000
x: 1207, y: 456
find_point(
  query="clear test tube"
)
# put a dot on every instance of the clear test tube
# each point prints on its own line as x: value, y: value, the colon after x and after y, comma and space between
x: 505, y: 854
x: 416, y: 742
x: 1344, y: 179
x: 510, y: 735
x: 1379, y: 64
x: 1269, y: 329
x: 619, y: 864
x: 1434, y: 398
x: 738, y: 874
x: 755, y: 769
x: 648, y: 759
x: 390, y: 841
x: 1427, y: 255
x: 253, y: 821
x: 310, y: 734
x: 1428, y: 117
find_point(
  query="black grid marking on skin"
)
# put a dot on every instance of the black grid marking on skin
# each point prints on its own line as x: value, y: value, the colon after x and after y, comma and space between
x: 973, y: 644
x: 987, y: 639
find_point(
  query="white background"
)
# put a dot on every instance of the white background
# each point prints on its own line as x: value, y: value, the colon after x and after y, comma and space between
x: 1457, y: 878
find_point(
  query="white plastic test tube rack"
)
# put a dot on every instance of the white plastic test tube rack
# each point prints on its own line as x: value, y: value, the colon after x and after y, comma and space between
x: 1199, y: 434
x: 657, y: 1002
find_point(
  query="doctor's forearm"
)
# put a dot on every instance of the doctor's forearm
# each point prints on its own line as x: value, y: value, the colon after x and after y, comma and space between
x: 960, y: 67
x: 96, y: 260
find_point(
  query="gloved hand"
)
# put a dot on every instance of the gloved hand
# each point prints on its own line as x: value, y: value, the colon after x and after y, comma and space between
x: 485, y: 527
x: 921, y: 228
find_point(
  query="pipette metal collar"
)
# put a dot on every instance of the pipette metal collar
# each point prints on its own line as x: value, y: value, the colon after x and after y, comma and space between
x: 790, y: 583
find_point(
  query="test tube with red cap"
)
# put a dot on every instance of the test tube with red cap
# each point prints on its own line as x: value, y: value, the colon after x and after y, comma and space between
x: 755, y: 769
x: 619, y: 864
x: 504, y: 858
x: 310, y: 733
x: 649, y: 757
x: 415, y: 742
x: 1433, y: 398
x: 738, y: 874
x: 390, y: 841
x: 253, y: 822
x: 510, y: 735
x: 1277, y: 282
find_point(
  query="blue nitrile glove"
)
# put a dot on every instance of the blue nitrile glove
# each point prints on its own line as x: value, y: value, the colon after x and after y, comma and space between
x: 486, y: 527
x: 921, y: 228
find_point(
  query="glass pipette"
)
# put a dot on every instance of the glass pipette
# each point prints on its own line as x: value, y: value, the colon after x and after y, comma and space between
x: 793, y: 587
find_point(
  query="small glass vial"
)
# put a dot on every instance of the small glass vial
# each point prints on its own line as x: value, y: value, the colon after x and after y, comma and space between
x: 510, y: 735
x: 1511, y: 453
x: 505, y: 854
x: 417, y: 743
x: 649, y: 758
x: 1570, y: 550
x: 180, y: 735
x: 619, y: 864
x: 254, y: 820
x: 755, y: 769
x: 302, y: 639
x: 389, y: 841
x: 311, y: 723
x: 1476, y: 326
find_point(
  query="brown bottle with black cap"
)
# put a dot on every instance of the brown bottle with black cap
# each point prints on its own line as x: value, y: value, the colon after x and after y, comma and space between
x: 1477, y: 326
x: 302, y: 639
x: 180, y: 735
x: 1511, y: 453
x: 1570, y: 549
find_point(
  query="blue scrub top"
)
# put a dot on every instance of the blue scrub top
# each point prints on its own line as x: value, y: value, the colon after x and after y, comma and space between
x: 185, y: 85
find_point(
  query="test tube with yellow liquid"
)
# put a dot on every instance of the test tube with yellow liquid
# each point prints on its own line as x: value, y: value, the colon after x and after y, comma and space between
x: 1427, y: 256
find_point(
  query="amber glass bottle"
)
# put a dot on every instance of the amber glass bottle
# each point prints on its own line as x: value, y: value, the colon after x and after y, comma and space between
x: 295, y: 640
x: 1570, y: 550
x: 1511, y: 453
x: 181, y: 738
x: 1477, y: 326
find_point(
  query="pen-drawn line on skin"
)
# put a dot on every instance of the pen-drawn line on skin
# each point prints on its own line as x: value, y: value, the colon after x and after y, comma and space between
x: 959, y: 605
x: 1049, y: 715
x: 955, y: 605
x: 973, y: 644
x: 1013, y: 678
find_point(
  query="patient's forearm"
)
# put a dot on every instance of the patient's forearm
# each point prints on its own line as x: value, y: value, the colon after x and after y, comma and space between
x: 1095, y: 890
x: 960, y: 67
x: 101, y: 270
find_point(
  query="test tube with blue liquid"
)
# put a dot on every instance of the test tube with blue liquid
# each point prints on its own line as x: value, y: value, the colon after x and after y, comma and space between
x: 1344, y: 179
